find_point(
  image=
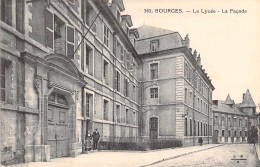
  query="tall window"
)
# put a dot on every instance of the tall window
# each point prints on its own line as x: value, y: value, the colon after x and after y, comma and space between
x: 153, y: 128
x: 194, y: 131
x: 90, y: 16
x: 134, y: 118
x: 105, y: 113
x: 240, y: 122
x: 190, y: 127
x: 6, y: 11
x: 122, y: 53
x: 154, y: 70
x: 118, y: 113
x: 88, y: 96
x: 186, y: 96
x: 105, y: 71
x: 126, y: 87
x: 223, y: 133
x: 127, y: 116
x: 154, y: 45
x: 134, y: 95
x: 89, y: 60
x: 106, y: 35
x: 118, y: 79
x: 154, y: 92
x: 198, y: 128
x: 185, y: 127
x: 3, y: 80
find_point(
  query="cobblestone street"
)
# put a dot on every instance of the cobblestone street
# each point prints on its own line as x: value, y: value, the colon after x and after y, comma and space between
x: 206, y: 155
x: 227, y: 155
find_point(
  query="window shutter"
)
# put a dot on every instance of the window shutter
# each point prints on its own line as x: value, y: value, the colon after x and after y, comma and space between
x: 49, y: 23
x: 70, y: 41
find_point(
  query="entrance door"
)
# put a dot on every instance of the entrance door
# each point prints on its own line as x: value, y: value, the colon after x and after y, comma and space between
x: 215, y: 136
x: 153, y: 128
x: 58, y: 131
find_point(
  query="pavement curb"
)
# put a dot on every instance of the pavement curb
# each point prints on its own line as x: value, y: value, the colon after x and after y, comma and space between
x: 181, y: 155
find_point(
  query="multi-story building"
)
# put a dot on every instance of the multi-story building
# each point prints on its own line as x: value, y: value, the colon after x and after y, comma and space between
x: 232, y: 122
x: 67, y: 67
x: 70, y: 66
x: 175, y: 90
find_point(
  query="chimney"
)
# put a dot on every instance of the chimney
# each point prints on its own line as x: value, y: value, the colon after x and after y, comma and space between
x: 199, y: 60
x: 195, y: 54
x: 187, y: 41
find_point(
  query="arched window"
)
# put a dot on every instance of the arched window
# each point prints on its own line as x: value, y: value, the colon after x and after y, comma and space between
x: 153, y: 128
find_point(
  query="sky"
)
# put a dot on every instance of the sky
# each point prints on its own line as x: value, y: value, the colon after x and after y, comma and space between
x: 229, y: 43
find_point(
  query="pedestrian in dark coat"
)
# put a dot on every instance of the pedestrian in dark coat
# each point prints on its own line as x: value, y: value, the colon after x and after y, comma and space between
x: 95, y: 137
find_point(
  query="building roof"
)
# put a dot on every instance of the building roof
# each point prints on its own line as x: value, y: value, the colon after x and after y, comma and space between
x: 229, y: 101
x: 247, y: 100
x: 222, y: 107
x: 147, y: 31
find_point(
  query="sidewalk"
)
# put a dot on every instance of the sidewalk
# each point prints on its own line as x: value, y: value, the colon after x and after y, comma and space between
x: 119, y: 158
x: 257, y: 147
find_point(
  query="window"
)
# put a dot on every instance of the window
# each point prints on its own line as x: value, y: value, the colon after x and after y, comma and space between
x: 70, y: 42
x: 201, y: 129
x: 106, y: 35
x: 245, y: 133
x: 154, y: 92
x: 89, y: 102
x: 190, y: 99
x: 118, y: 113
x: 134, y: 118
x: 134, y: 95
x: 186, y: 127
x: 240, y: 122
x: 126, y: 87
x: 198, y: 128
x: 240, y: 133
x: 194, y: 127
x: 154, y: 70
x: 229, y: 134
x: 3, y: 80
x: 223, y: 133
x: 118, y: 79
x: 154, y: 45
x: 105, y: 113
x: 186, y: 95
x: 90, y: 15
x: 127, y: 116
x: 6, y: 11
x: 89, y: 60
x: 235, y: 133
x: 122, y: 53
x: 153, y: 128
x: 105, y: 71
x: 190, y: 127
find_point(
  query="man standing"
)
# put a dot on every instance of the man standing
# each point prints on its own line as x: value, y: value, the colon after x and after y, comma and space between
x: 95, y: 137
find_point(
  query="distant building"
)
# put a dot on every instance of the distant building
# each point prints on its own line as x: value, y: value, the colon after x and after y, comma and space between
x: 232, y: 122
x: 176, y: 92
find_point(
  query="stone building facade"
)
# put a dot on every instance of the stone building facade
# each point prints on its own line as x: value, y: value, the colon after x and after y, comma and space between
x: 56, y: 87
x: 232, y: 122
x: 70, y: 66
x: 176, y: 92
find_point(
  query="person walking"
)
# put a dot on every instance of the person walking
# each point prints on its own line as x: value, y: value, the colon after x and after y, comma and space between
x: 200, y: 141
x: 95, y: 137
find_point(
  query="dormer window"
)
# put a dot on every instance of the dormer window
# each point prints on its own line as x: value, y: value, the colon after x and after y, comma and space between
x: 154, y: 45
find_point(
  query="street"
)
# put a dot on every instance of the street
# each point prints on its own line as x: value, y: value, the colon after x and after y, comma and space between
x: 206, y: 155
x: 227, y: 155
